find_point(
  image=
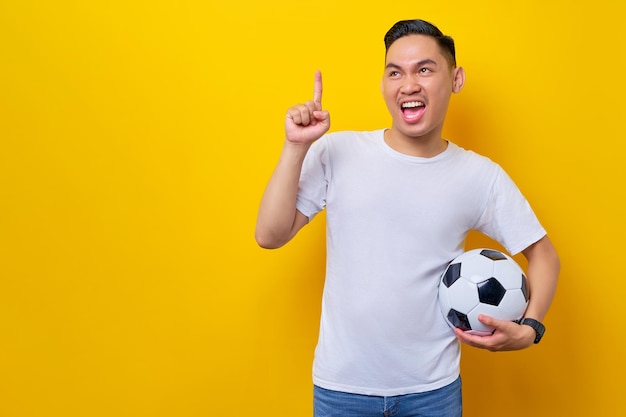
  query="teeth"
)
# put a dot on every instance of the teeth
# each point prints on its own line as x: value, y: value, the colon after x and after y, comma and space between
x: 412, y: 104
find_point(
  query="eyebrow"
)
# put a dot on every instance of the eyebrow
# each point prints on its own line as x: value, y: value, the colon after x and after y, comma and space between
x: 421, y: 63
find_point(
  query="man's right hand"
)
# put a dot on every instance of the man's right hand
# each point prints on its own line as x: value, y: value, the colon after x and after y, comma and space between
x: 305, y: 123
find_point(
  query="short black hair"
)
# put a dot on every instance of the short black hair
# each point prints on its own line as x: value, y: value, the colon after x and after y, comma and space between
x: 421, y: 27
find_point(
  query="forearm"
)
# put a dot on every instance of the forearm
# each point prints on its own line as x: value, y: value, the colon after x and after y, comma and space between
x: 277, y: 219
x: 543, y: 271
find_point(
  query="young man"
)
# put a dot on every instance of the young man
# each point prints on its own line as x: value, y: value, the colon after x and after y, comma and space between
x: 393, y: 224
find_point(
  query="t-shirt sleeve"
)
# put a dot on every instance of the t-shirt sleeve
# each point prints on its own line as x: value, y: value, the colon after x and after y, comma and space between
x: 508, y: 217
x: 314, y: 180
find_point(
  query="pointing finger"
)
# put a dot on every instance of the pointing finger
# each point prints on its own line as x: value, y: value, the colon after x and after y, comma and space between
x: 317, y: 91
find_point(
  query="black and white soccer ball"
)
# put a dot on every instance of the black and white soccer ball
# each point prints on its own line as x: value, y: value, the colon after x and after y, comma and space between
x: 482, y: 281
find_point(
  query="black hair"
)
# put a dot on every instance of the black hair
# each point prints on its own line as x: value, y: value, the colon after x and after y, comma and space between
x: 421, y: 27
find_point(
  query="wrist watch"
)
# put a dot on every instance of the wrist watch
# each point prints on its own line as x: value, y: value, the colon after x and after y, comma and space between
x: 539, y: 328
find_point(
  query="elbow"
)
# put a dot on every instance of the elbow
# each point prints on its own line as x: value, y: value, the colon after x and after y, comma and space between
x: 270, y: 235
x: 266, y: 241
x: 268, y: 244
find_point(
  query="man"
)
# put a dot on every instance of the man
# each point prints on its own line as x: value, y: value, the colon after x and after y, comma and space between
x: 393, y: 224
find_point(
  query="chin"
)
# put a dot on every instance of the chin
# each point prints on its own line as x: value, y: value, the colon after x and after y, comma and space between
x: 415, y: 133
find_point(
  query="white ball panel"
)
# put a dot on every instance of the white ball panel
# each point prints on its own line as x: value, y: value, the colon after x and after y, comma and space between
x: 508, y: 273
x: 477, y: 268
x: 512, y: 306
x: 486, y: 309
x: 463, y: 295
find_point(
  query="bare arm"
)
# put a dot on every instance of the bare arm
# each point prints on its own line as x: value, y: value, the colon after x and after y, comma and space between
x: 543, y: 272
x: 278, y: 219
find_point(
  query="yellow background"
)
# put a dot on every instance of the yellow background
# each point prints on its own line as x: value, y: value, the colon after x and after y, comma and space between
x: 136, y: 138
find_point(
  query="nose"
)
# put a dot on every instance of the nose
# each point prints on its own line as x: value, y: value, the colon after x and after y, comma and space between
x: 411, y: 85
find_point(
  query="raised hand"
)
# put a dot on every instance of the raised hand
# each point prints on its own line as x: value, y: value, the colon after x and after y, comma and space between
x: 305, y: 123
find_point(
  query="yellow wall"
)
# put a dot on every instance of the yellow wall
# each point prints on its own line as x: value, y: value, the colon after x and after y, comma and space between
x: 136, y: 138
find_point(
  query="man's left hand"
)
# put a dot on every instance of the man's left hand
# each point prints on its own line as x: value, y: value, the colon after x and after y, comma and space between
x: 507, y: 336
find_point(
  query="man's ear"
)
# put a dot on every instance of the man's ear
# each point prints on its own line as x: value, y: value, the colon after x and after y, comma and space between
x: 458, y: 79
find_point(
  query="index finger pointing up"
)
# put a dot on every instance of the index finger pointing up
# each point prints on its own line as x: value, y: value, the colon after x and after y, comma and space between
x: 317, y: 91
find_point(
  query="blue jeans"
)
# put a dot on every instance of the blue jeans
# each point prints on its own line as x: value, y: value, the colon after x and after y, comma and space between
x: 442, y: 402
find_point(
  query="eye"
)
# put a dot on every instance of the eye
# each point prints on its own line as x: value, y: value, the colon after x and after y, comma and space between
x: 394, y: 74
x: 425, y: 70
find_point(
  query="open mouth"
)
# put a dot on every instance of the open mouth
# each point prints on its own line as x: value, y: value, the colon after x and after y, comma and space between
x: 413, y: 110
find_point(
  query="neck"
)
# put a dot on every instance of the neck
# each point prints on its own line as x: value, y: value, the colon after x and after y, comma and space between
x: 423, y: 146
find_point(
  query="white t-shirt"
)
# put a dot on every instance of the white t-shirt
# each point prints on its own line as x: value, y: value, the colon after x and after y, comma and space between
x: 393, y: 224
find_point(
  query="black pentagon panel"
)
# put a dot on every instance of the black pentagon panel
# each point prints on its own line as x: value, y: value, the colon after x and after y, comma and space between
x: 459, y: 320
x: 491, y: 292
x: 493, y: 254
x: 452, y: 274
x: 525, y: 288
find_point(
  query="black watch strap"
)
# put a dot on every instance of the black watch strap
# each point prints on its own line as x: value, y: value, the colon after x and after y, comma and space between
x: 539, y: 328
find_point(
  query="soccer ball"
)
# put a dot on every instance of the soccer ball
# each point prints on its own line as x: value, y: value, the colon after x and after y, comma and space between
x: 482, y: 281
